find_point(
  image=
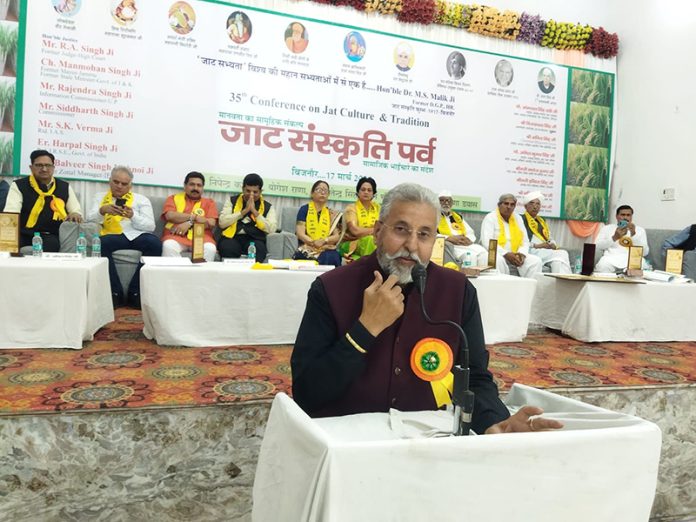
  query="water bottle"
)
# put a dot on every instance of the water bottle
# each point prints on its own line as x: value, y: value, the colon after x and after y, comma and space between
x: 646, y: 264
x: 81, y: 246
x: 37, y: 245
x: 578, y: 265
x: 467, y: 259
x: 251, y: 251
x: 96, y: 246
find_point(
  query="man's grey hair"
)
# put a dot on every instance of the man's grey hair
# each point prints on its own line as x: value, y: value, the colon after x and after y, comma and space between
x: 122, y: 168
x: 503, y: 197
x: 411, y: 193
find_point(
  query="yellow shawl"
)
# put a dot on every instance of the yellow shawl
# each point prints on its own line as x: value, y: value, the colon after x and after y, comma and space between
x: 57, y: 204
x: 112, y: 222
x: 238, y: 205
x: 533, y: 225
x: 516, y: 237
x: 180, y: 203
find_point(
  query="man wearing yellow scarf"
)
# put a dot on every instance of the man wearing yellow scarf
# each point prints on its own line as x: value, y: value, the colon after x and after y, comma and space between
x: 459, y: 234
x: 513, y: 246
x: 540, y: 242
x: 127, y: 221
x: 246, y: 218
x: 42, y: 202
x: 181, y: 211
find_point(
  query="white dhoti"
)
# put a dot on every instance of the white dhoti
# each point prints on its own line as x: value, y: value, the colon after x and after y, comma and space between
x: 556, y: 259
x: 532, y: 265
x: 172, y: 248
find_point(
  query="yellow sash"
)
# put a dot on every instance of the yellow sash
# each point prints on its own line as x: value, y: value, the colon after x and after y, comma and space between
x: 232, y: 229
x: 180, y: 203
x: 112, y: 222
x: 367, y: 216
x: 444, y: 226
x: 57, y: 204
x: 516, y: 237
x: 317, y: 226
x: 533, y: 224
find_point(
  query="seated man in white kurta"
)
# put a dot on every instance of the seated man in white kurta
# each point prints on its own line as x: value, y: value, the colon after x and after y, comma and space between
x: 615, y: 239
x: 541, y: 244
x: 513, y: 246
x: 459, y: 233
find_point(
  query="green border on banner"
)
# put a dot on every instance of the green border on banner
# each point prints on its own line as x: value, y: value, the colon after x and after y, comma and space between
x: 19, y: 89
x: 301, y: 189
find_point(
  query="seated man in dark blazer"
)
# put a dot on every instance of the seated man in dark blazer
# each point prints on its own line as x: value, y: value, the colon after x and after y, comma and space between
x: 43, y: 202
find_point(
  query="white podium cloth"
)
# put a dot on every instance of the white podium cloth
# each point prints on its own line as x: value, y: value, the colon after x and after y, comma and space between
x: 221, y: 304
x: 351, y: 468
x: 52, y: 303
x: 604, y: 311
x: 505, y: 303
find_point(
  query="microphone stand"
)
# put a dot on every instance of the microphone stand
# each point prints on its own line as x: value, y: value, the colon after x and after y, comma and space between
x: 462, y: 396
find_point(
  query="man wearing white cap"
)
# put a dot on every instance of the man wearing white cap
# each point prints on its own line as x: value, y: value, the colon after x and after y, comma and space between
x: 540, y: 242
x: 513, y: 245
x: 459, y: 234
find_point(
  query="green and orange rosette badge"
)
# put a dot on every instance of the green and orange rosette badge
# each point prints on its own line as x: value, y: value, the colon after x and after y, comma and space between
x: 431, y: 359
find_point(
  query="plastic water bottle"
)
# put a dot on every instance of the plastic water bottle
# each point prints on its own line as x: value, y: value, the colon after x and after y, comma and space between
x: 251, y: 251
x: 647, y: 265
x: 96, y: 246
x: 81, y: 246
x: 467, y: 259
x: 578, y: 265
x: 37, y: 245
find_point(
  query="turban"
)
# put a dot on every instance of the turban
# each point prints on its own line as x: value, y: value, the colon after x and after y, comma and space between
x: 531, y: 196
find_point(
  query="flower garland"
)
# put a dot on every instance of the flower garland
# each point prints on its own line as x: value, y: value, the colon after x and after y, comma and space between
x: 489, y: 21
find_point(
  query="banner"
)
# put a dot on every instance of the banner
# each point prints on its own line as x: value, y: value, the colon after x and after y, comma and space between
x: 169, y: 87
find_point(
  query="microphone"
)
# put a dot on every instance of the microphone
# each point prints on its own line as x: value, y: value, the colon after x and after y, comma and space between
x: 462, y: 396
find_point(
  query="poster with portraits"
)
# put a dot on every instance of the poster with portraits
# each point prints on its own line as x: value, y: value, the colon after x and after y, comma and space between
x: 172, y: 86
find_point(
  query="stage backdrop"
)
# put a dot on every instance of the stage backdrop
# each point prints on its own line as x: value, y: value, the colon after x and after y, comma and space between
x: 167, y: 87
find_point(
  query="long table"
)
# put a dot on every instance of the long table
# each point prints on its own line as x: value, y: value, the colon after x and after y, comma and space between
x: 218, y: 304
x: 51, y: 303
x: 596, y: 311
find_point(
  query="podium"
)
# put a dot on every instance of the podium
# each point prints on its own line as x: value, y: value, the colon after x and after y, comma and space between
x: 602, y: 467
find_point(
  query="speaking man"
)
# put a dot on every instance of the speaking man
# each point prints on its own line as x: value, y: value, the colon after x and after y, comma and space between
x: 363, y: 320
x: 42, y: 202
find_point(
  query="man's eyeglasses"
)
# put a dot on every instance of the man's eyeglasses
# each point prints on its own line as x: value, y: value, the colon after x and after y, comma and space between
x: 403, y: 232
x: 321, y: 191
x: 43, y: 166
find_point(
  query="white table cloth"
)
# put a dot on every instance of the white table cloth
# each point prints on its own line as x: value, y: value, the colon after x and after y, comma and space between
x: 221, y: 304
x: 52, y: 303
x: 602, y: 467
x: 505, y: 303
x: 604, y: 311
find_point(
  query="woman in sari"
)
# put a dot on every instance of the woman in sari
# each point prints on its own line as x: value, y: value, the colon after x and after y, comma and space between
x: 318, y: 228
x: 360, y: 220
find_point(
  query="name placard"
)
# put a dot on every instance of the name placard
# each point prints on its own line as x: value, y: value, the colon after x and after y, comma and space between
x: 63, y: 256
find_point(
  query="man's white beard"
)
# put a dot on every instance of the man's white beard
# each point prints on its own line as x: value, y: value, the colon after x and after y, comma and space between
x: 391, y: 266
